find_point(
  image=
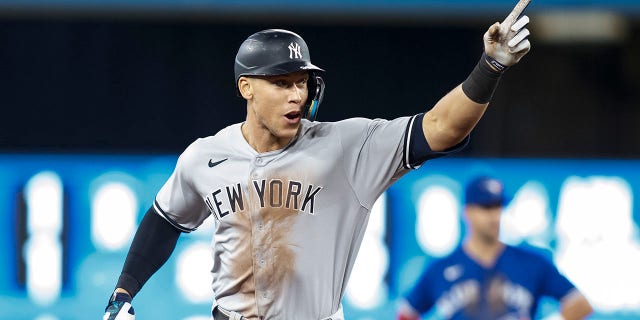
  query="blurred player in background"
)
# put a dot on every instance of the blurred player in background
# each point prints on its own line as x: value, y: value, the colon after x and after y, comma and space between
x: 291, y: 196
x: 487, y: 279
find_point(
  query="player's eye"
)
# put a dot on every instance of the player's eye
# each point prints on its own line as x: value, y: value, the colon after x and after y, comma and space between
x: 302, y: 83
x: 281, y: 83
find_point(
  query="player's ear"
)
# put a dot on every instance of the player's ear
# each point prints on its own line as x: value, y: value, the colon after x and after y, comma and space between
x: 244, y: 86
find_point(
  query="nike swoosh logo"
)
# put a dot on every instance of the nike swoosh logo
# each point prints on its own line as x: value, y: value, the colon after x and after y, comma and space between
x: 213, y: 164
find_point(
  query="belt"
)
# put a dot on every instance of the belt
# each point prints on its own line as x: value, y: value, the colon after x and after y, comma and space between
x: 222, y: 314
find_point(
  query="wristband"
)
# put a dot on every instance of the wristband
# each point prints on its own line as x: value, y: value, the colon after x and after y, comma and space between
x: 483, y: 80
x: 497, y: 66
x: 120, y: 296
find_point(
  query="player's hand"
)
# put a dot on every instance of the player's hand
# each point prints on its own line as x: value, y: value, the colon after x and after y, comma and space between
x: 119, y: 308
x: 507, y: 42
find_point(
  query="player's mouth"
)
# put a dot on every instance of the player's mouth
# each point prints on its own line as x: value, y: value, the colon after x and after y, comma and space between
x: 293, y: 117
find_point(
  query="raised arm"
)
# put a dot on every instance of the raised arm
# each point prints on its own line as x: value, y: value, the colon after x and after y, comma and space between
x: 457, y: 113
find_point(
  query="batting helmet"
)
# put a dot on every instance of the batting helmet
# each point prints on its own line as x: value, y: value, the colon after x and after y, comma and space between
x: 275, y: 52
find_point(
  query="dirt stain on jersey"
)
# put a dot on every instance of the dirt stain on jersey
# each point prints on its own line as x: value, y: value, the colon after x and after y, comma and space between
x: 274, y: 258
x: 244, y: 265
x: 277, y: 260
x: 241, y: 270
x: 268, y: 258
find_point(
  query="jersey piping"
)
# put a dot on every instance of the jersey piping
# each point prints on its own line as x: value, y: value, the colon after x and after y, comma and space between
x: 407, y: 144
x: 161, y: 212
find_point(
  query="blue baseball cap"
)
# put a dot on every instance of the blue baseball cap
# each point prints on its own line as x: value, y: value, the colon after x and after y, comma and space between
x: 485, y: 191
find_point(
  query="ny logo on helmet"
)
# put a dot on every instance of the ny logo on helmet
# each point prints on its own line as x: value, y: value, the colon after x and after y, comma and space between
x: 294, y: 51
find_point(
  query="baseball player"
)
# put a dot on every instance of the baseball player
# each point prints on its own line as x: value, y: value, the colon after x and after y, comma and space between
x: 291, y: 196
x: 487, y: 279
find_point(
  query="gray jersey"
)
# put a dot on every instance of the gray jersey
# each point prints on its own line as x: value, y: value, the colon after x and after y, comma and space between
x: 288, y: 222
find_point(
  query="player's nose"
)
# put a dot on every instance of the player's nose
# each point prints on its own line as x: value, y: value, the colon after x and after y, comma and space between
x: 295, y: 94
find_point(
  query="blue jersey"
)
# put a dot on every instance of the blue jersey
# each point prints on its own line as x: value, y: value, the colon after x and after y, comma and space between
x: 460, y: 288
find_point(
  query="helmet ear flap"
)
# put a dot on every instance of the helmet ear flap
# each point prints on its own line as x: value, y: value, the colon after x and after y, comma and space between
x: 316, y: 93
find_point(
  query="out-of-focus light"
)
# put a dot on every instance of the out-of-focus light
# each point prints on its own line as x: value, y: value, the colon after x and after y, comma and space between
x: 193, y: 272
x: 43, y: 195
x: 366, y: 288
x: 527, y: 215
x: 598, y: 247
x: 438, y: 227
x: 113, y: 215
x: 410, y: 272
x: 584, y: 26
x: 595, y: 209
x: 43, y: 250
x: 44, y: 269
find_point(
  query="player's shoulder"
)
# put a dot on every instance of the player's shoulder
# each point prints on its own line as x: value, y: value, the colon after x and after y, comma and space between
x: 446, y: 268
x: 358, y: 122
x: 343, y: 130
x: 454, y: 257
x: 344, y: 126
x: 350, y: 123
x: 327, y: 125
x: 529, y: 253
x: 223, y: 139
x: 325, y: 128
x: 226, y: 136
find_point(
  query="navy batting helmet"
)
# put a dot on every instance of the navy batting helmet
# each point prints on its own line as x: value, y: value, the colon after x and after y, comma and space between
x: 275, y: 52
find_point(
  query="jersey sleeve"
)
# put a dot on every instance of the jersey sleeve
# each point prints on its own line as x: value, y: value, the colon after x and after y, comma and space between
x: 378, y: 152
x: 178, y: 201
x: 419, y: 151
x: 556, y: 285
x: 421, y: 297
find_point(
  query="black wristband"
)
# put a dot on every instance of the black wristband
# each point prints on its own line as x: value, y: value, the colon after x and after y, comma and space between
x: 120, y: 296
x: 129, y: 283
x: 483, y: 80
x: 497, y: 66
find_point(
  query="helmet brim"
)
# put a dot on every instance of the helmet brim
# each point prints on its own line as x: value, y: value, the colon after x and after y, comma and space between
x: 280, y: 69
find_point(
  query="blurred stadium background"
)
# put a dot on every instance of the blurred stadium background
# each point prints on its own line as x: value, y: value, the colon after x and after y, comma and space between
x: 100, y: 97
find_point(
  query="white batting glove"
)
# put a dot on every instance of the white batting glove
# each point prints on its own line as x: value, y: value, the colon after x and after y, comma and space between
x: 507, y: 42
x: 119, y: 308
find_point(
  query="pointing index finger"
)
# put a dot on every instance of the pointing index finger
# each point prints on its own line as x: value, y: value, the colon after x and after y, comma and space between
x: 515, y: 13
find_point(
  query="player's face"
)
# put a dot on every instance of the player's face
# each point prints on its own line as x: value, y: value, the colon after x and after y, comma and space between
x: 484, y: 222
x: 276, y: 104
